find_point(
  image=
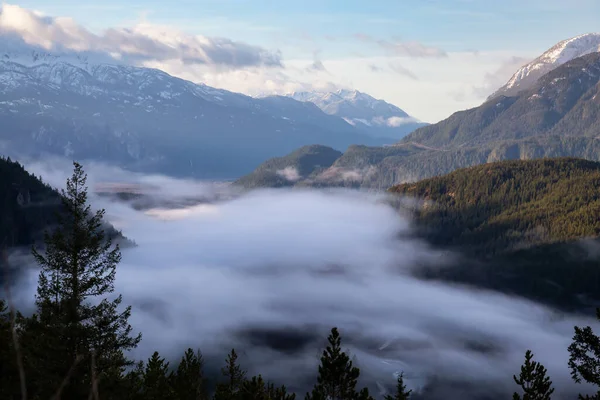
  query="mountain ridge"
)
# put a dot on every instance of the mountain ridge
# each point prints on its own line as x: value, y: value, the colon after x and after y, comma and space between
x: 525, y: 227
x: 554, y: 57
x: 374, y: 116
x: 558, y: 116
x: 145, y: 119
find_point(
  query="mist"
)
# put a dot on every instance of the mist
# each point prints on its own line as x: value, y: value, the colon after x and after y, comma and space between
x: 269, y: 272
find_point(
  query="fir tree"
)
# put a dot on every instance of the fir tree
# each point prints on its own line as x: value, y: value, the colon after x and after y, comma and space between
x: 584, y: 360
x: 534, y: 382
x: 188, y: 381
x: 401, y: 392
x: 337, y: 377
x: 157, y: 380
x: 236, y: 377
x: 74, y: 316
x: 257, y: 389
x: 9, y: 377
x: 134, y: 383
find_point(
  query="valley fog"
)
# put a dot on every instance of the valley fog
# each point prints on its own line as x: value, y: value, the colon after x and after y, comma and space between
x: 269, y: 272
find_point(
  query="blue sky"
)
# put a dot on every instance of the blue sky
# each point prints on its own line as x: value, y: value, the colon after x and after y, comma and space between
x: 350, y: 37
x: 453, y: 24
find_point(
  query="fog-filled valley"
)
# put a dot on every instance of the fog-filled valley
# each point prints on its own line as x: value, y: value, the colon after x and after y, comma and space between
x: 269, y: 272
x: 234, y: 200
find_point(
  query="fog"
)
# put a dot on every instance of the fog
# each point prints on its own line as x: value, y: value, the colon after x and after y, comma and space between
x: 271, y: 271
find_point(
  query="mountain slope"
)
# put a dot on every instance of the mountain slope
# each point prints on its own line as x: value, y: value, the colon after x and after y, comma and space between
x: 29, y: 207
x: 526, y: 227
x: 557, y: 55
x: 145, y: 119
x: 375, y: 117
x: 555, y: 105
x: 557, y: 117
x: 286, y: 171
x: 509, y: 204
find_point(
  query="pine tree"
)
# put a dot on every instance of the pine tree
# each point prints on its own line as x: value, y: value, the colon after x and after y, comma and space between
x: 134, y: 383
x: 188, y: 381
x: 257, y: 389
x: 157, y: 380
x: 75, y: 318
x: 584, y: 360
x: 401, y: 392
x: 9, y: 377
x: 337, y: 377
x: 534, y: 382
x: 236, y: 377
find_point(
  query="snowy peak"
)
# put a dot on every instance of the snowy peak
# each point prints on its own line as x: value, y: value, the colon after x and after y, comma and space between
x: 347, y: 103
x: 376, y: 117
x: 556, y: 56
x: 15, y: 50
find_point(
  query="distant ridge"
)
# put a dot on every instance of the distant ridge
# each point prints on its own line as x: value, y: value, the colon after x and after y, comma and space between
x: 376, y: 117
x: 559, y: 116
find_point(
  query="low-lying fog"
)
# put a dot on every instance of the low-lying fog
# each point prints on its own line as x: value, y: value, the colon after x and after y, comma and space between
x: 270, y: 272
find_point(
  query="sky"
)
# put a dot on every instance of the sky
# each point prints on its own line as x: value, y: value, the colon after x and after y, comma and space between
x: 429, y: 57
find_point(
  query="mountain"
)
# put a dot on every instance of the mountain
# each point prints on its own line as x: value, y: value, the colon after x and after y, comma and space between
x: 507, y: 205
x: 375, y: 117
x: 556, y: 56
x: 525, y: 227
x: 81, y: 106
x: 285, y: 171
x: 29, y: 207
x: 559, y: 116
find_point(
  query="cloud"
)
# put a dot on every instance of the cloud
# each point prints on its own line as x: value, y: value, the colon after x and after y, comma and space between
x: 289, y: 173
x: 394, y: 67
x: 401, y: 48
x: 399, y: 121
x: 493, y: 81
x: 271, y: 271
x: 399, y: 69
x: 317, y: 65
x: 143, y: 42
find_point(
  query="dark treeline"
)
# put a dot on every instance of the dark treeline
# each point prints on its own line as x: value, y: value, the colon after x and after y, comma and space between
x: 76, y: 343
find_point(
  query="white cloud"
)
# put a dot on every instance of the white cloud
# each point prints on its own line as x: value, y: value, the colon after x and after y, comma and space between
x: 274, y: 262
x: 289, y: 173
x: 399, y: 69
x: 143, y: 42
x: 496, y: 79
x: 399, y: 121
x: 404, y: 48
x: 425, y: 81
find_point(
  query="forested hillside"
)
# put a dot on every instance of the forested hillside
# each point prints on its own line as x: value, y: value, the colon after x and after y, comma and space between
x: 285, y: 171
x: 521, y: 223
x: 28, y: 206
x: 502, y: 206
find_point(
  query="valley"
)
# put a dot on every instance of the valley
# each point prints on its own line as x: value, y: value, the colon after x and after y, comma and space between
x: 225, y: 205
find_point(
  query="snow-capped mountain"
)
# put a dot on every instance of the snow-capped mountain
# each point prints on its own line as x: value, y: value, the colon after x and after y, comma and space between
x: 85, y: 107
x: 556, y: 56
x: 375, y: 117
